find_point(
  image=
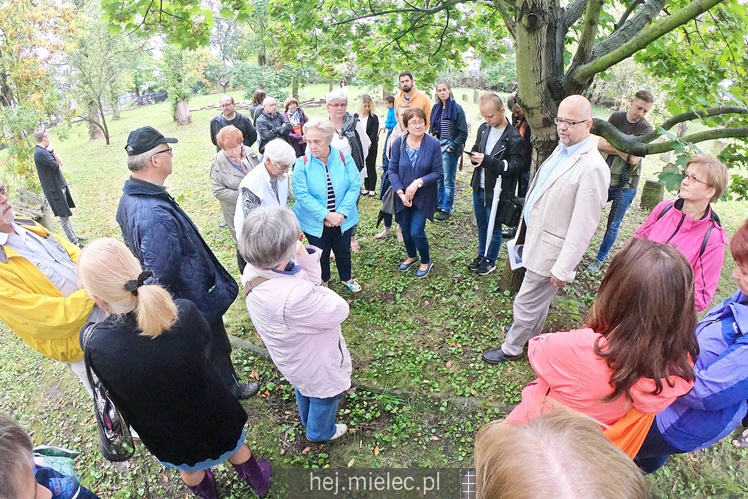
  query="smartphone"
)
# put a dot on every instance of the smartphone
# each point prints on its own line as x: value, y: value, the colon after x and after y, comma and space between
x: 469, y: 153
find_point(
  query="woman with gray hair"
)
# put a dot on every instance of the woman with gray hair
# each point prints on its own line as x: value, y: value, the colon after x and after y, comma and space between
x: 327, y: 186
x: 297, y: 317
x: 350, y: 138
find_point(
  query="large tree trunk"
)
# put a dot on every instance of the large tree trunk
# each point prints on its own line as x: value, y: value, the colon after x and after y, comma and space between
x: 184, y: 116
x: 94, y: 122
x: 295, y: 87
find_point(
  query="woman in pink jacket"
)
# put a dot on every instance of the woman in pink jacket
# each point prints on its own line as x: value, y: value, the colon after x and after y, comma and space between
x: 638, y: 347
x: 297, y: 318
x: 691, y: 225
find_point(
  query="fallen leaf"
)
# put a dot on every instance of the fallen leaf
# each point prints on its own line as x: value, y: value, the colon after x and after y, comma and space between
x: 306, y: 451
x: 347, y: 411
x: 449, y: 364
x: 376, y: 450
x: 283, y: 452
x: 255, y: 375
x: 266, y: 394
x: 165, y: 478
x: 434, y: 438
x: 350, y: 463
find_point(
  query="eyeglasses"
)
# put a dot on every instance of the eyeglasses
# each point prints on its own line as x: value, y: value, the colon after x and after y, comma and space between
x: 167, y: 150
x: 280, y: 166
x: 559, y: 121
x: 338, y: 105
x: 416, y: 123
x: 692, y: 178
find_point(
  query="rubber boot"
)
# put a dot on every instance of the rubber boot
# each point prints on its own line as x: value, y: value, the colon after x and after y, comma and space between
x: 256, y: 472
x: 207, y: 488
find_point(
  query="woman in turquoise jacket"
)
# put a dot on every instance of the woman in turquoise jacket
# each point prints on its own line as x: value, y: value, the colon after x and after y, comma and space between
x: 326, y: 184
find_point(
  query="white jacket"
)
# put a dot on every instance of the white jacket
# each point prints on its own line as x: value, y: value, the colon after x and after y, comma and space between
x: 255, y: 187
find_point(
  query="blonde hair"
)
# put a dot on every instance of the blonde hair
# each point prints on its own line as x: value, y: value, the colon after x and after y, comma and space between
x: 560, y: 454
x: 229, y: 137
x: 366, y: 98
x: 105, y: 266
x: 716, y: 173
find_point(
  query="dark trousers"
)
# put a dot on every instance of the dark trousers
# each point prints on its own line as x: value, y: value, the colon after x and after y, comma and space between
x: 340, y: 242
x: 655, y: 451
x: 240, y: 262
x: 382, y: 190
x: 219, y: 355
x: 370, y: 182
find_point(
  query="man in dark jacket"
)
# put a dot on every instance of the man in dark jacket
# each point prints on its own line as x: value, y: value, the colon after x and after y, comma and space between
x: 167, y: 242
x: 498, y: 155
x: 270, y: 124
x: 229, y: 116
x: 49, y: 167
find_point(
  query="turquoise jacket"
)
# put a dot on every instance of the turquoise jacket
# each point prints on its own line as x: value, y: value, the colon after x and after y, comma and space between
x: 309, y: 183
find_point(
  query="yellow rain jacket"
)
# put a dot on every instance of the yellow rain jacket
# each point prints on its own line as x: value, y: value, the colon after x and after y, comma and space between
x: 33, y: 307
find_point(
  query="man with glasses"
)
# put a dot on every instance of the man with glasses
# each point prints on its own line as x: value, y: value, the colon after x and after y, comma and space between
x: 166, y: 241
x: 265, y: 185
x: 270, y: 123
x: 40, y: 300
x: 562, y: 210
x: 229, y: 116
x: 624, y: 169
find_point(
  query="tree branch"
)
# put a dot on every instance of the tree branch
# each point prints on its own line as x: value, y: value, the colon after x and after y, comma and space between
x: 631, y: 28
x: 591, y: 20
x: 642, y: 39
x: 573, y: 12
x: 412, y: 10
x: 506, y: 16
x: 635, y: 145
x: 626, y: 14
x: 692, y: 115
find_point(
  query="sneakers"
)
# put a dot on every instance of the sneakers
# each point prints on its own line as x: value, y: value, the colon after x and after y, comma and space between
x: 595, y: 266
x: 442, y: 215
x: 340, y: 430
x: 353, y: 286
x: 486, y: 267
x: 475, y: 264
x: 387, y: 232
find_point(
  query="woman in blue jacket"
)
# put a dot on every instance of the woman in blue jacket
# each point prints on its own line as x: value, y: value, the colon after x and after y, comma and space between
x: 326, y: 184
x: 415, y: 167
x: 717, y: 403
x: 448, y: 124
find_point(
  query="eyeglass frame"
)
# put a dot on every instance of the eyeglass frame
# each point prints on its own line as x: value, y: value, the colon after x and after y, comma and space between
x: 167, y: 150
x: 569, y: 123
x: 691, y: 177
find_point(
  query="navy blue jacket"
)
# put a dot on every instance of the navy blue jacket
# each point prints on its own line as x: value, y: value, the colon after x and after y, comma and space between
x: 161, y: 235
x: 428, y: 168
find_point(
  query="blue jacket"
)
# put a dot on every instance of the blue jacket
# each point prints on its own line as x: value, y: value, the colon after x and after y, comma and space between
x: 161, y: 235
x: 717, y: 403
x: 428, y: 168
x: 309, y: 183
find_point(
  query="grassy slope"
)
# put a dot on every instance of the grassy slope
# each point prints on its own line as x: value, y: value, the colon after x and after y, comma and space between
x: 424, y: 337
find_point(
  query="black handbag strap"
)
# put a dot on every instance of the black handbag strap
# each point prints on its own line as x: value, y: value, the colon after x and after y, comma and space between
x: 85, y: 339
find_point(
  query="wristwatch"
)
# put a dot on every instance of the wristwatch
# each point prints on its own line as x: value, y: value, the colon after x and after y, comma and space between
x: 420, y: 183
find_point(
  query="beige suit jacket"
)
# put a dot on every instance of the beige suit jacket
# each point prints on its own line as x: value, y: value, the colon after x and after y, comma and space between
x: 565, y: 216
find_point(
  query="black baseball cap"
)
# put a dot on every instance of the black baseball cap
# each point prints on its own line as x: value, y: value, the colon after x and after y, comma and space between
x: 144, y: 139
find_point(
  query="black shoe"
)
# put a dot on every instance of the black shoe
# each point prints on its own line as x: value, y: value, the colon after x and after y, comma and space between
x: 442, y: 215
x: 246, y: 391
x: 475, y: 264
x: 486, y: 267
x: 497, y: 356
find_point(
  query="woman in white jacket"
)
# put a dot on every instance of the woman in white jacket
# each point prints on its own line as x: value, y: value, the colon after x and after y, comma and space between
x: 297, y: 318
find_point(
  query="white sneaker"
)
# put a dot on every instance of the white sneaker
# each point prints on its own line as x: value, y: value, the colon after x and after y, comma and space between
x: 340, y: 430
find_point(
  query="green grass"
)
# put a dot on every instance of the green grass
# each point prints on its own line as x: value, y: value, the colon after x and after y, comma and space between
x: 421, y: 337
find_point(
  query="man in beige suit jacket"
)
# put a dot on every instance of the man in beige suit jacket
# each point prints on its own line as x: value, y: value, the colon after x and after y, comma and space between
x: 562, y: 210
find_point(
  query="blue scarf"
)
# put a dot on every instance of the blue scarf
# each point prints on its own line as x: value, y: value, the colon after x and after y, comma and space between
x: 450, y: 113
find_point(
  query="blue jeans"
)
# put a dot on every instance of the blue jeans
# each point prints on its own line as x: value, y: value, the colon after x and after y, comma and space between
x: 413, y: 224
x: 482, y: 215
x: 318, y: 415
x: 340, y: 242
x: 446, y: 183
x: 614, y: 223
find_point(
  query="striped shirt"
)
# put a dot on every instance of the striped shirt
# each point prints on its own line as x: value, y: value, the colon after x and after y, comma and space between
x: 330, y: 191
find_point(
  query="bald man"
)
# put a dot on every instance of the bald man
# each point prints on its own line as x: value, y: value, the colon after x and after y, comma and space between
x: 562, y: 210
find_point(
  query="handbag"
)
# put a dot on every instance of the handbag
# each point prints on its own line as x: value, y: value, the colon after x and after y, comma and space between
x: 115, y: 440
x: 388, y: 201
x: 509, y: 211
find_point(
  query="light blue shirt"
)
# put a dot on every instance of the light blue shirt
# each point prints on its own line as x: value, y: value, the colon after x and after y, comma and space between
x: 547, y: 170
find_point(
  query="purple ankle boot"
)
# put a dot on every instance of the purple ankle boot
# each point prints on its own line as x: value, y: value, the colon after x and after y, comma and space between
x: 207, y: 488
x: 256, y: 472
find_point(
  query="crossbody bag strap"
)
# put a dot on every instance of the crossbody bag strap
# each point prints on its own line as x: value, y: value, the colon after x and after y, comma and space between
x: 252, y: 284
x: 85, y: 339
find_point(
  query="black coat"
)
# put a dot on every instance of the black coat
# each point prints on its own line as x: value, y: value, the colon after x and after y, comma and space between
x: 505, y: 160
x: 240, y: 121
x: 53, y: 183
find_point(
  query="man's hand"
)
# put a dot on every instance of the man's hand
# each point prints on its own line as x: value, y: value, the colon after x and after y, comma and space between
x: 334, y: 219
x: 477, y: 158
x: 557, y: 282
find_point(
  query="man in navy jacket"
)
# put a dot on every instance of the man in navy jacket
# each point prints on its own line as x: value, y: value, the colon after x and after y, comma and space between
x: 167, y: 242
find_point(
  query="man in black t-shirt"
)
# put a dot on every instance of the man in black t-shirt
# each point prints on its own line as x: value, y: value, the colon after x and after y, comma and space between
x: 229, y: 116
x: 625, y: 169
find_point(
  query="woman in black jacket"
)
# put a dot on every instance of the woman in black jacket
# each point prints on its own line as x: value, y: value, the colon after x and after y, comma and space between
x: 371, y: 123
x: 151, y: 352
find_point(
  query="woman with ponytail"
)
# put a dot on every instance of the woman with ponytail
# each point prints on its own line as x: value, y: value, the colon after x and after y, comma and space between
x: 151, y: 353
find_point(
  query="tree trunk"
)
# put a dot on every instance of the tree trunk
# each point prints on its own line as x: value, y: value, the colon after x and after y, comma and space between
x: 329, y: 86
x: 115, y: 109
x: 94, y: 124
x: 295, y: 87
x: 184, y: 116
x: 225, y: 85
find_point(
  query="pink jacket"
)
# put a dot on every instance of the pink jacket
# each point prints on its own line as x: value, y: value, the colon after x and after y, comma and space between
x: 570, y: 372
x: 299, y: 322
x: 687, y: 235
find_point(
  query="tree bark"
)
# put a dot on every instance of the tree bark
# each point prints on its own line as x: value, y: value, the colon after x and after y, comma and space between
x: 94, y: 124
x: 184, y: 116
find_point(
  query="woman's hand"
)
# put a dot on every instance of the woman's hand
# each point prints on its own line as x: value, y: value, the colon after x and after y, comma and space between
x: 407, y: 202
x: 334, y: 219
x: 411, y: 190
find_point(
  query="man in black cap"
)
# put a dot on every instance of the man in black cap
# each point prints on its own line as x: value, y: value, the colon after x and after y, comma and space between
x: 167, y: 242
